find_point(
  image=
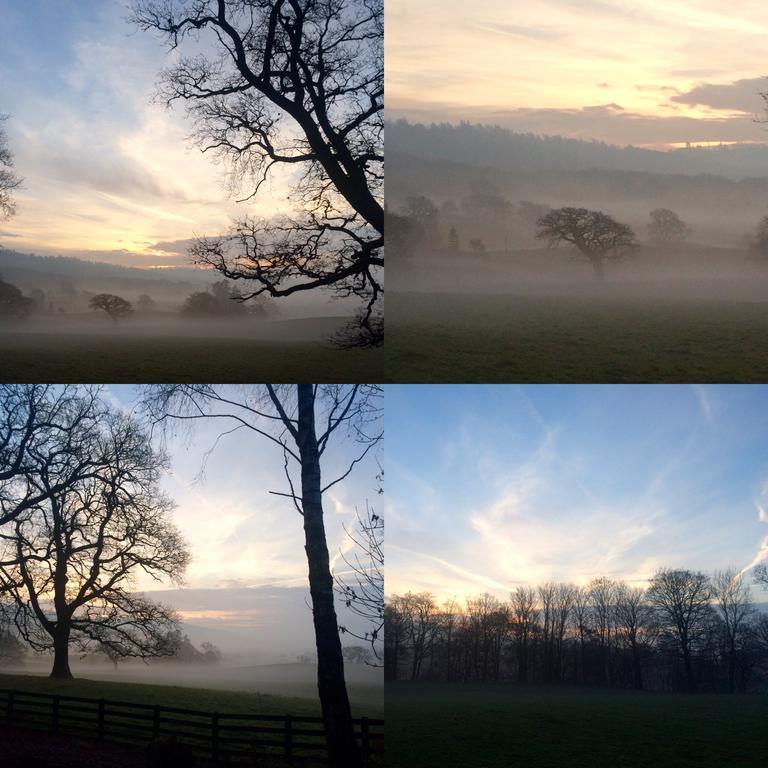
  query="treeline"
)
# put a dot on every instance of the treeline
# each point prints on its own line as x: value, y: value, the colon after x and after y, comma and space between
x: 495, y: 147
x: 687, y: 631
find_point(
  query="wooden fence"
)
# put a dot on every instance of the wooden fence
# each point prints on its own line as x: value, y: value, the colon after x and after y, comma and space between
x: 218, y: 736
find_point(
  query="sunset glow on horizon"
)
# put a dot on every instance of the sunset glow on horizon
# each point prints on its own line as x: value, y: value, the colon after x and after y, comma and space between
x: 109, y: 173
x: 659, y: 75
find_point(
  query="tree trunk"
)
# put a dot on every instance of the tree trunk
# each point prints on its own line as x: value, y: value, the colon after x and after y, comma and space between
x: 61, y: 669
x: 597, y: 267
x: 337, y: 715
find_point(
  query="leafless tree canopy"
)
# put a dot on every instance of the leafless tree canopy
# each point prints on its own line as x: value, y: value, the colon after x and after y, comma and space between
x: 84, y: 517
x: 362, y: 586
x: 596, y: 235
x: 685, y: 632
x: 115, y: 306
x: 298, y: 83
x: 9, y: 181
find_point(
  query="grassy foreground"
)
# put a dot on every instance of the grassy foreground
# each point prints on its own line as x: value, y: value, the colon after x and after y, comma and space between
x: 492, y: 338
x: 237, y: 702
x: 497, y: 726
x: 101, y: 358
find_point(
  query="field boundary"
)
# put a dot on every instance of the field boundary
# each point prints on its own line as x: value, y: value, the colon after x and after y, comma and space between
x: 218, y: 736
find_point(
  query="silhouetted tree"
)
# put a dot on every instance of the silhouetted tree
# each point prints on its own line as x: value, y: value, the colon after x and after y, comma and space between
x: 115, y: 306
x: 734, y: 607
x: 9, y: 181
x: 145, y: 304
x: 298, y: 83
x: 667, y: 227
x: 13, y: 303
x: 68, y: 563
x: 302, y: 421
x: 761, y: 574
x: 682, y: 599
x: 596, y: 235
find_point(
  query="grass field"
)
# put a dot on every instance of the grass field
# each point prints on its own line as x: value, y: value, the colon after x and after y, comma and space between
x: 494, y: 726
x: 101, y: 358
x: 238, y: 702
x: 492, y: 338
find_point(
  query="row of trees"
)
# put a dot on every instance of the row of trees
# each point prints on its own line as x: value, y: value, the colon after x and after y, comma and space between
x: 686, y: 631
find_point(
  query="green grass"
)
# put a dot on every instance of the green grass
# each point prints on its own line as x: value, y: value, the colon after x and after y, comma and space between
x: 208, y: 700
x: 103, y: 358
x: 496, y: 726
x: 491, y: 338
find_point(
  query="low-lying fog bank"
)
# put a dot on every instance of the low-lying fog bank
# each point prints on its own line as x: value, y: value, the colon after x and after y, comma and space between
x: 293, y: 679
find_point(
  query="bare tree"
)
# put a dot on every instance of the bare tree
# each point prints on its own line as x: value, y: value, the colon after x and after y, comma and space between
x: 602, y: 595
x: 68, y: 563
x: 733, y: 603
x: 667, y: 227
x: 682, y: 599
x: 302, y: 420
x: 9, y: 181
x: 634, y: 618
x: 761, y: 574
x: 295, y: 83
x: 54, y: 428
x: 115, y: 306
x: 365, y: 597
x: 597, y: 236
x: 524, y: 617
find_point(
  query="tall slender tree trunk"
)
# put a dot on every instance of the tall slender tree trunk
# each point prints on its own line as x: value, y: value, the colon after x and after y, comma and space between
x: 61, y: 670
x: 337, y: 714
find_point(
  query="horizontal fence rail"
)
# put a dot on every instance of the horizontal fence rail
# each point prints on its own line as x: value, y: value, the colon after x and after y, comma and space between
x: 220, y: 736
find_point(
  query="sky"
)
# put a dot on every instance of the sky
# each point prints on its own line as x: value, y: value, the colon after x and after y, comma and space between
x: 491, y: 487
x: 248, y: 571
x: 108, y: 172
x: 658, y: 73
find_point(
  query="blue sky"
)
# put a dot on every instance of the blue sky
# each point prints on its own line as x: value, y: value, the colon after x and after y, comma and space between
x: 109, y: 172
x: 490, y: 487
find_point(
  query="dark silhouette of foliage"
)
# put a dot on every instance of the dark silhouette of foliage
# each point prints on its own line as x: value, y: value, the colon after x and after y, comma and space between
x: 13, y: 303
x: 297, y: 83
x: 115, y: 306
x: 596, y: 235
x: 145, y: 304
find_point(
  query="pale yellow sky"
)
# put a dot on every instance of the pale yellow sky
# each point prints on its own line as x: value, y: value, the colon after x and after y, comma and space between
x: 108, y: 173
x: 584, y: 68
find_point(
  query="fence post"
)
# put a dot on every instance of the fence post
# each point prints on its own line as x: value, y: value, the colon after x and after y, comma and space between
x: 100, y: 723
x: 55, y: 714
x: 215, y: 737
x: 288, y: 740
x: 9, y: 707
x: 364, y: 727
x: 156, y: 723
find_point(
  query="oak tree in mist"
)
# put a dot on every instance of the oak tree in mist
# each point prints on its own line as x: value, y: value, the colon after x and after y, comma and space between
x: 297, y: 84
x: 9, y: 181
x: 667, y: 227
x: 597, y: 236
x: 89, y: 518
x: 115, y: 306
x: 303, y: 421
x: 759, y: 242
